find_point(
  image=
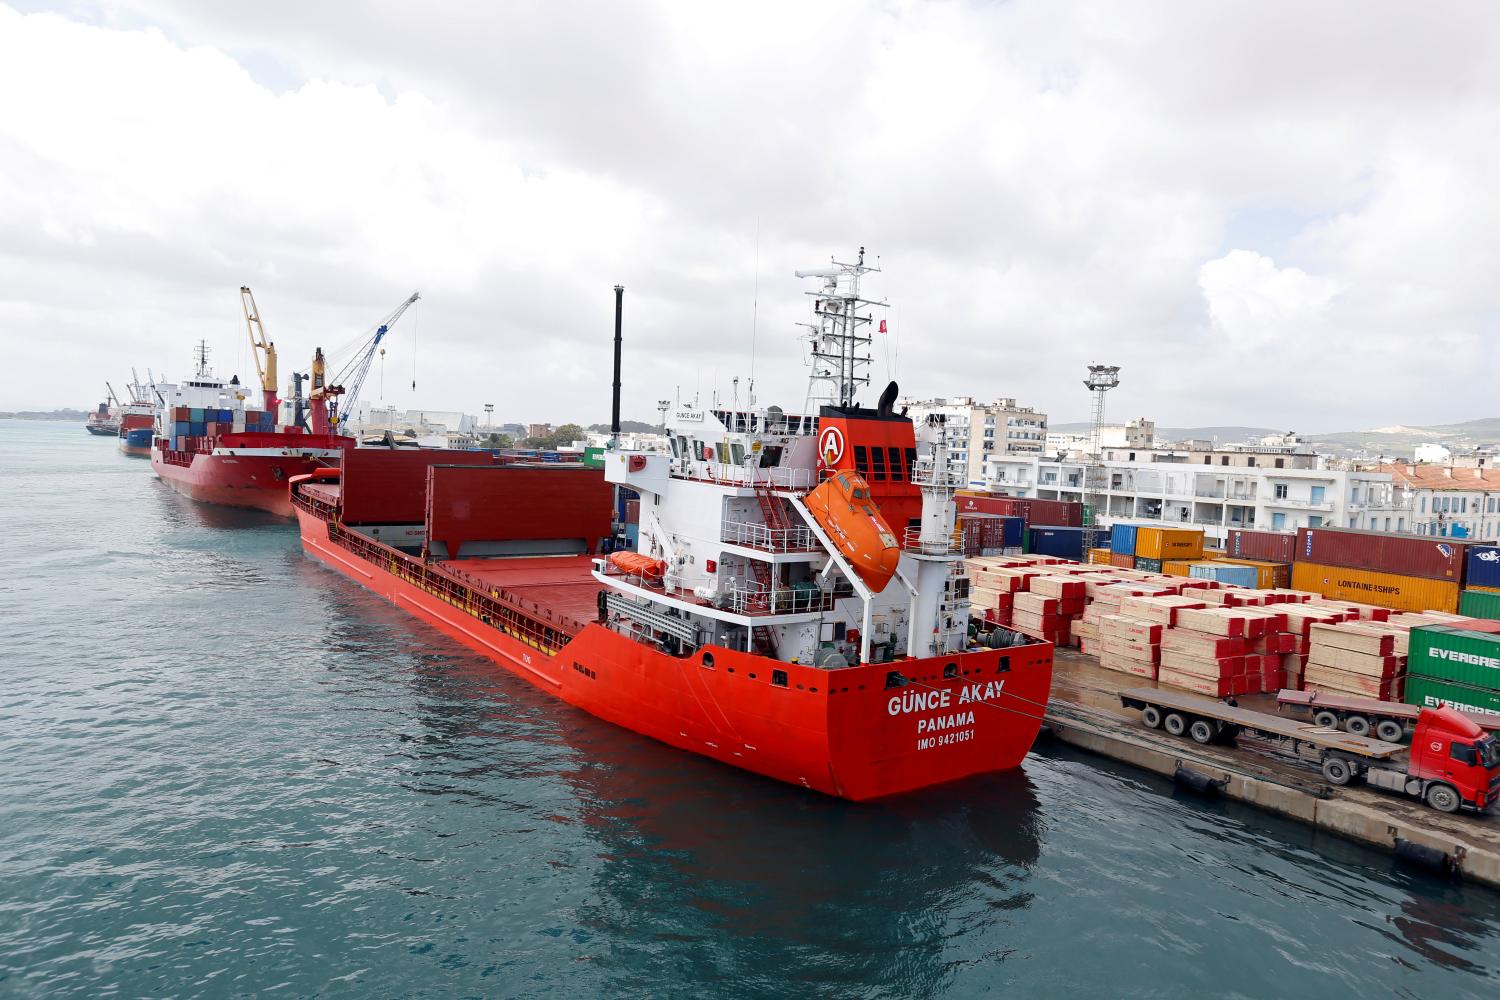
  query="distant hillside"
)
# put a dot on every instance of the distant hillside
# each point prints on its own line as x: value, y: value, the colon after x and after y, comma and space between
x: 628, y: 427
x: 1401, y: 439
x: 64, y: 414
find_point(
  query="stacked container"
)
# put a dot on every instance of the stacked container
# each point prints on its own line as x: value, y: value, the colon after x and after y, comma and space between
x: 1459, y: 666
x: 1270, y: 546
x: 1062, y: 542
x: 1410, y: 572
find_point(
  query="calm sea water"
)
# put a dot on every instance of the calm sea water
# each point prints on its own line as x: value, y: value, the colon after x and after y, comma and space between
x: 226, y: 771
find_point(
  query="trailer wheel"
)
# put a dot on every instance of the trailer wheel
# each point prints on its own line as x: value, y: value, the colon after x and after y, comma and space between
x: 1326, y: 719
x: 1357, y: 725
x: 1389, y: 730
x: 1175, y: 724
x: 1338, y: 771
x: 1151, y: 717
x: 1202, y: 731
x: 1443, y: 798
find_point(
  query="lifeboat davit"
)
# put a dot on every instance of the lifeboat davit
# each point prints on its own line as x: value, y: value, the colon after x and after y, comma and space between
x: 639, y: 564
x: 843, y: 508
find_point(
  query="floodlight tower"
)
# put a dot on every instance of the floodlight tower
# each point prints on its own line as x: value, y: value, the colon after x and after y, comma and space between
x: 1102, y: 378
x: 489, y: 415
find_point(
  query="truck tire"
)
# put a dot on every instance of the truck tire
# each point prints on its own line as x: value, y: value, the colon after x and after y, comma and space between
x: 1175, y: 724
x: 1357, y: 725
x: 1443, y: 798
x: 1151, y: 717
x: 1202, y: 731
x: 1326, y: 719
x: 1389, y: 730
x: 1337, y: 771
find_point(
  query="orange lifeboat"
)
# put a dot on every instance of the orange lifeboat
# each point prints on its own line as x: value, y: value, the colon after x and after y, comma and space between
x: 639, y: 564
x: 843, y: 508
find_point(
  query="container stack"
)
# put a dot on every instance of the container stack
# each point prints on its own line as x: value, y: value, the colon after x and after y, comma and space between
x: 1481, y: 595
x: 990, y: 534
x: 1458, y: 665
x: 1061, y: 542
x: 1408, y: 572
x: 1148, y: 548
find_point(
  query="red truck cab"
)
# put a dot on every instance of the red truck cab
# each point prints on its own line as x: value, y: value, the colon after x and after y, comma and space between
x: 1449, y: 751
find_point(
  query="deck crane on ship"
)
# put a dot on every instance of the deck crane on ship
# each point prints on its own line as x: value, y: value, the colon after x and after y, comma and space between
x: 350, y: 379
x: 262, y: 350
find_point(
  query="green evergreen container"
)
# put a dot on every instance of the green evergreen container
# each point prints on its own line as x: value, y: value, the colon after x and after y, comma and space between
x: 1430, y: 693
x: 1445, y: 653
x: 1479, y: 604
x: 1147, y: 565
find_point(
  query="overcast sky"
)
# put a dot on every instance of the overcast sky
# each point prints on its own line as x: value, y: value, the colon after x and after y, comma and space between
x: 1270, y: 214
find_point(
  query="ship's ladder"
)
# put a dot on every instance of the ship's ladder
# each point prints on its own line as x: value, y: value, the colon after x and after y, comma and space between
x: 773, y: 511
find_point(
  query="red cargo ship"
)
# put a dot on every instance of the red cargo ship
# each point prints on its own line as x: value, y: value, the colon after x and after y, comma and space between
x: 783, y: 613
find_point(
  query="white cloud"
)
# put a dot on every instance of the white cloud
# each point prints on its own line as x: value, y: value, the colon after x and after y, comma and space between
x: 1047, y: 184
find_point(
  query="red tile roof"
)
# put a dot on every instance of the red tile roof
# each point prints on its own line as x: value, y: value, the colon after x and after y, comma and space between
x: 1443, y: 477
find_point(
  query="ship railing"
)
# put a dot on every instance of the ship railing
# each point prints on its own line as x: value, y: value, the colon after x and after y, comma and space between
x: 746, y: 598
x: 929, y: 473
x: 755, y: 535
x: 914, y: 542
x: 775, y: 477
x: 516, y: 616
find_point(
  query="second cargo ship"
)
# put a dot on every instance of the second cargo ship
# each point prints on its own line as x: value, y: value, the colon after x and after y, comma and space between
x: 797, y: 605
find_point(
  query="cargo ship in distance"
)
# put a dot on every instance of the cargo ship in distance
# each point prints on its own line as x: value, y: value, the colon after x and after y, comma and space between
x: 211, y: 447
x: 138, y: 417
x: 797, y: 605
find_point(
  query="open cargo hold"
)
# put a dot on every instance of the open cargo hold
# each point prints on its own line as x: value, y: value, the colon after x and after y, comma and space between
x: 1052, y: 540
x: 1168, y: 543
x: 1384, y: 552
x: 1429, y: 692
x: 1408, y: 593
x: 1272, y: 546
x: 1483, y: 566
x: 381, y: 486
x: 469, y: 508
x: 1479, y: 604
x: 1065, y: 513
x: 1450, y: 653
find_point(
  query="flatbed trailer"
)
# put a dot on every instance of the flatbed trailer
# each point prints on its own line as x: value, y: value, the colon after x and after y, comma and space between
x: 1453, y: 763
x: 1390, y: 721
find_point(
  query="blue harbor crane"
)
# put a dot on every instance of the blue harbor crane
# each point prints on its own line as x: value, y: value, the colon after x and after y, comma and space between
x: 350, y: 379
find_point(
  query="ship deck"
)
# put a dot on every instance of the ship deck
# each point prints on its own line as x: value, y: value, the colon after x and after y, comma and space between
x: 329, y: 493
x: 563, y: 584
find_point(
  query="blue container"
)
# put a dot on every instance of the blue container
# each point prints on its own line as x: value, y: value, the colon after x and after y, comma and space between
x: 197, y: 428
x: 138, y: 437
x: 1226, y: 573
x: 226, y: 416
x: 196, y: 414
x: 1484, y: 566
x: 1063, y: 543
x: 1013, y: 532
x: 1122, y: 539
x: 633, y: 535
x: 181, y: 429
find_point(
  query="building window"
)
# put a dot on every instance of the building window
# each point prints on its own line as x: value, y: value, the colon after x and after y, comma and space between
x: 1424, y: 506
x: 1208, y: 460
x: 1250, y: 461
x: 1132, y: 456
x: 1314, y: 521
x: 1278, y: 522
x: 1281, y: 491
x: 1281, y: 463
x: 1223, y: 459
x: 1317, y: 495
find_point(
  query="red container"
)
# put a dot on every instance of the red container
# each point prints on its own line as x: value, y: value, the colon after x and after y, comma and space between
x: 1053, y: 513
x: 1428, y: 557
x: 1269, y: 546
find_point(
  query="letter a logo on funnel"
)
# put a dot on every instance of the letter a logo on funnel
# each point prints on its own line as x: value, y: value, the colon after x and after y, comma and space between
x: 831, y: 446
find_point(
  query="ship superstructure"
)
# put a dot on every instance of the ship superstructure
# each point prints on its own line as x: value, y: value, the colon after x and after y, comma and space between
x: 796, y: 604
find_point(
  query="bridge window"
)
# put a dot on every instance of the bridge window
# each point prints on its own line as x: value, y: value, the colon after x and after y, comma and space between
x: 861, y: 460
x: 895, y: 456
x: 911, y: 460
x: 878, y: 455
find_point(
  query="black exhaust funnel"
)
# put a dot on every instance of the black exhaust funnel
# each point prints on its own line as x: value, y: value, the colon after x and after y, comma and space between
x: 614, y: 417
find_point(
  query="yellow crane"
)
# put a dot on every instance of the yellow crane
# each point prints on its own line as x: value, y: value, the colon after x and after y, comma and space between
x: 262, y: 349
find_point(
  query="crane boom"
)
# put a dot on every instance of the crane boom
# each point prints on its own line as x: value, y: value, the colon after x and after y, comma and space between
x: 263, y: 350
x: 351, y: 378
x: 112, y: 394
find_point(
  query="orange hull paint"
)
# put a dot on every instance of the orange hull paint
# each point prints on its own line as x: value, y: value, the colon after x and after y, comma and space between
x: 841, y: 731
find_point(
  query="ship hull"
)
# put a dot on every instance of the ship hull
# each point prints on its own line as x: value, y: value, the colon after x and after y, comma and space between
x: 860, y: 733
x: 135, y: 450
x: 258, y: 482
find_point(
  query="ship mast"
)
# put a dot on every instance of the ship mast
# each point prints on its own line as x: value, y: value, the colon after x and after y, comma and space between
x: 839, y: 341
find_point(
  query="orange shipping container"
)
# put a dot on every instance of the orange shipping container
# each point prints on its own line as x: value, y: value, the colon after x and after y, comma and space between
x: 1168, y: 543
x: 1177, y: 567
x: 1408, y: 593
x: 1099, y: 556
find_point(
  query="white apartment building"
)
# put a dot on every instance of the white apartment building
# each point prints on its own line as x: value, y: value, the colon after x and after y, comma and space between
x: 1213, y: 495
x: 1140, y: 434
x: 1440, y: 500
x: 976, y: 431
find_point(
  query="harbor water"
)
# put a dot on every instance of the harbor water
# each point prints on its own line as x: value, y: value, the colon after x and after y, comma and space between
x: 225, y: 770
